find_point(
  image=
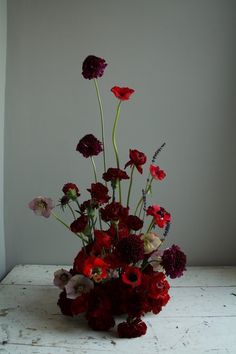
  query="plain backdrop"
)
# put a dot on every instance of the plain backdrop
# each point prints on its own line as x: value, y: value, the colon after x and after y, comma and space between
x: 179, y: 56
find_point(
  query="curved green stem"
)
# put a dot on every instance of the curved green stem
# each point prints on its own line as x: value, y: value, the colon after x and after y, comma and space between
x: 115, y: 144
x: 94, y: 169
x: 130, y: 185
x: 102, y: 123
x: 72, y: 211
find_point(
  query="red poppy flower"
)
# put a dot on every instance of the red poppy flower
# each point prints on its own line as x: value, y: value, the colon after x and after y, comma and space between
x: 160, y: 215
x: 137, y: 159
x: 99, y: 193
x: 102, y: 240
x: 157, y: 173
x: 123, y: 93
x: 95, y: 268
x: 132, y: 276
x: 158, y: 285
x: 79, y: 224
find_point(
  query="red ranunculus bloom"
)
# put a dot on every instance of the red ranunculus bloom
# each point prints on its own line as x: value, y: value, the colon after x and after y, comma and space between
x: 71, y: 191
x: 134, y: 222
x: 102, y: 240
x: 99, y: 193
x: 123, y: 93
x: 137, y: 159
x: 114, y: 211
x: 174, y: 261
x: 93, y: 67
x: 95, y: 268
x: 114, y: 174
x: 132, y: 329
x: 79, y: 224
x: 89, y: 146
x: 132, y: 276
x: 157, y: 173
x: 160, y: 215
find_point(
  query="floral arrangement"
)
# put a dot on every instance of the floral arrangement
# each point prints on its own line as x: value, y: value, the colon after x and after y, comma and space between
x: 120, y: 268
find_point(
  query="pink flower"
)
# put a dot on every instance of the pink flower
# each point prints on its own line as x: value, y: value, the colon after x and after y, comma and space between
x: 157, y: 173
x: 61, y: 278
x: 41, y: 206
x: 77, y: 286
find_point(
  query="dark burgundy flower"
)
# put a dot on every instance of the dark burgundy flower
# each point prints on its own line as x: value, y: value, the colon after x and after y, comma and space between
x: 64, y: 201
x: 93, y: 67
x: 174, y: 262
x: 157, y: 173
x: 137, y: 159
x: 71, y: 191
x: 122, y: 93
x: 79, y: 224
x: 80, y: 304
x: 130, y: 249
x: 114, y: 174
x: 89, y: 146
x: 132, y: 276
x: 160, y: 216
x: 65, y: 304
x: 122, y: 230
x: 132, y: 329
x: 134, y: 222
x: 114, y: 211
x: 102, y: 240
x: 99, y: 193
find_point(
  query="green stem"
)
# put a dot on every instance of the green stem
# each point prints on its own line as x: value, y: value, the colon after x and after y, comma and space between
x: 72, y: 211
x: 130, y: 185
x: 115, y: 144
x: 67, y: 226
x: 102, y: 123
x: 94, y: 169
x: 150, y: 226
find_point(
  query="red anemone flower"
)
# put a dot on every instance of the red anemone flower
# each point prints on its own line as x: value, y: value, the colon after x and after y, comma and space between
x: 132, y: 276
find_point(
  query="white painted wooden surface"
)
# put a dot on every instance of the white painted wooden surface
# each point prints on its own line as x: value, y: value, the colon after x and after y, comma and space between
x: 200, y: 317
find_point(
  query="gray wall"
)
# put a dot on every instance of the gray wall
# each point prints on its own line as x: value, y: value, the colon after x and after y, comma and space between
x: 180, y: 58
x: 3, y: 38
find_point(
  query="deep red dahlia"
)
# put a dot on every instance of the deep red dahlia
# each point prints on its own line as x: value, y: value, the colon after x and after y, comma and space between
x: 174, y: 261
x: 114, y: 211
x: 114, y: 174
x: 134, y: 222
x: 132, y: 276
x: 122, y: 93
x: 130, y: 249
x: 157, y: 173
x: 89, y: 146
x: 93, y: 67
x: 71, y: 191
x: 132, y: 329
x: 137, y: 159
x: 95, y: 268
x: 79, y: 224
x: 99, y: 193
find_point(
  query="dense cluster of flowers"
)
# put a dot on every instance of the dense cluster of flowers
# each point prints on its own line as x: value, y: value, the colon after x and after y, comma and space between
x: 120, y: 268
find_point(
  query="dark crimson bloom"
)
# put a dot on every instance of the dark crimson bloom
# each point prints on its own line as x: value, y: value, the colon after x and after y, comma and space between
x: 79, y: 224
x: 114, y: 211
x: 132, y: 329
x: 114, y: 174
x: 174, y: 262
x: 160, y: 216
x: 132, y: 276
x: 89, y: 146
x: 123, y: 93
x: 64, y: 201
x: 158, y: 285
x: 95, y: 268
x: 157, y: 173
x: 134, y: 222
x: 122, y: 230
x: 65, y: 304
x: 137, y: 159
x: 93, y: 67
x: 99, y: 193
x: 71, y: 191
x: 79, y: 260
x: 80, y: 304
x: 102, y: 240
x: 130, y: 249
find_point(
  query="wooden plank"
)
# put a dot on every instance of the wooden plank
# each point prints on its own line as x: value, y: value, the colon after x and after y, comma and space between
x: 194, y: 276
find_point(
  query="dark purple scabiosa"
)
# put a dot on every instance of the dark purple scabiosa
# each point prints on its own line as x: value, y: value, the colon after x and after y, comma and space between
x: 89, y: 146
x: 93, y: 67
x: 130, y: 249
x: 174, y: 262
